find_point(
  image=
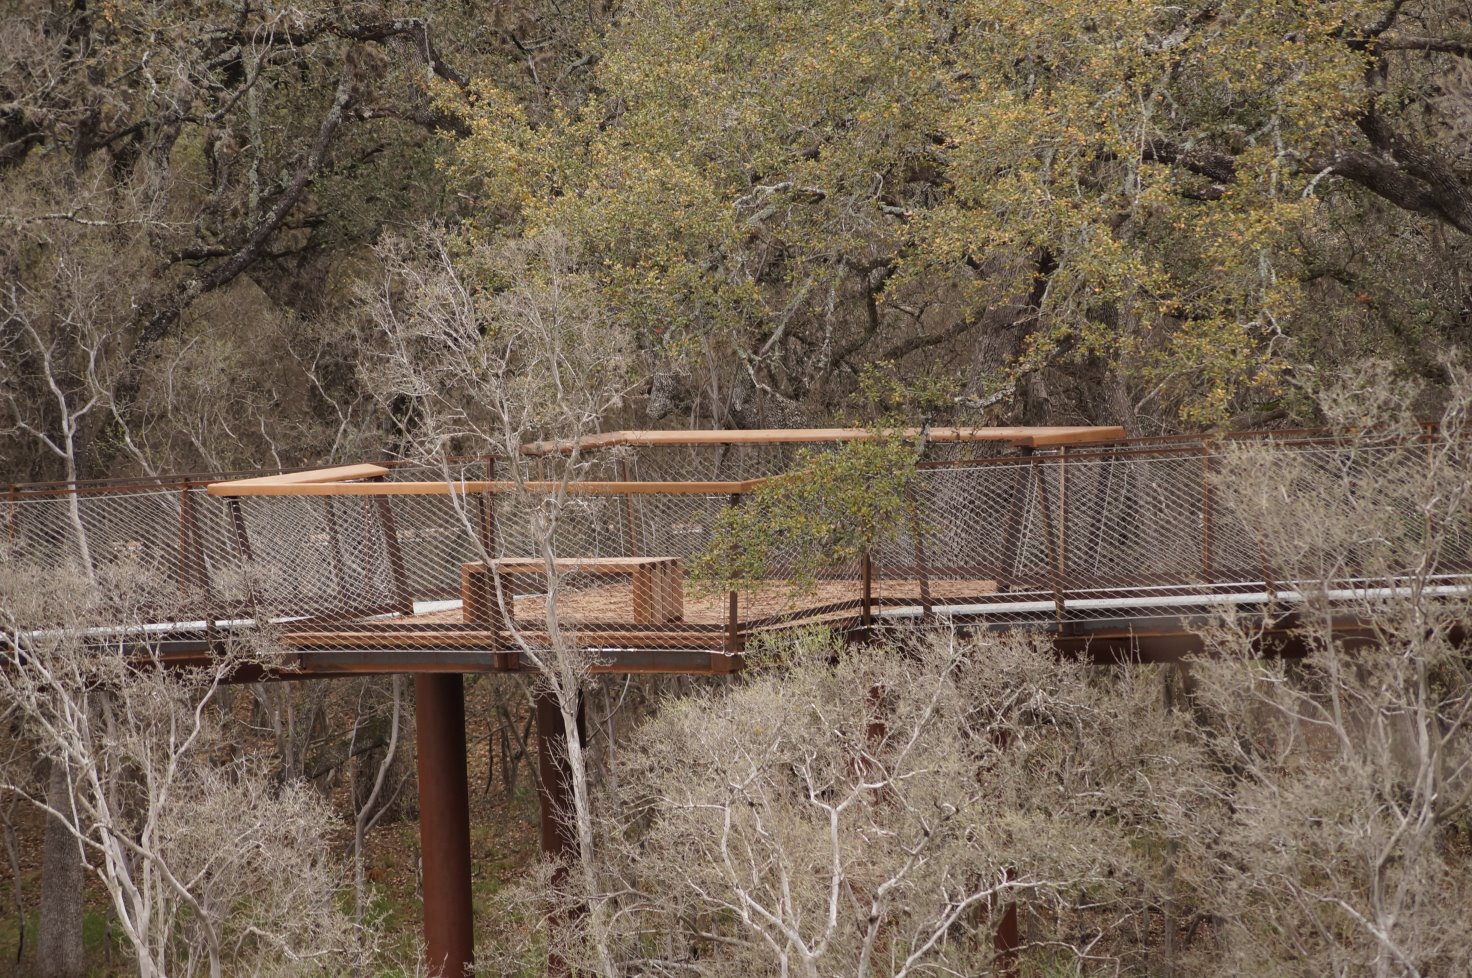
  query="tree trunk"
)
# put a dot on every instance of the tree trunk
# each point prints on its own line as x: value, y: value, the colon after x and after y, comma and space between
x: 59, y: 951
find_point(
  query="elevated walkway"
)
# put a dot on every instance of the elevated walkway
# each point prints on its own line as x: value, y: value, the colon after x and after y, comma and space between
x: 1074, y: 532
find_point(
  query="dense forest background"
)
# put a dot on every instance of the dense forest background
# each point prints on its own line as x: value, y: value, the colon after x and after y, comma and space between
x: 247, y: 234
x: 1165, y: 217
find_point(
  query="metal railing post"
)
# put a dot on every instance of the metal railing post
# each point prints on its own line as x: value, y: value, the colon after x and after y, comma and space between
x: 917, y: 534
x: 486, y: 507
x: 334, y: 548
x: 733, y: 610
x: 630, y: 521
x: 395, y: 557
x: 1012, y: 542
x: 184, y: 536
x: 13, y: 496
x: 1050, y: 539
x: 247, y: 556
x: 192, y: 568
x: 1063, y: 513
x: 1206, y: 528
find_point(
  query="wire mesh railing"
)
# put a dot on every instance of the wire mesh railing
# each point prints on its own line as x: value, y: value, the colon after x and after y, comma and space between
x: 444, y: 558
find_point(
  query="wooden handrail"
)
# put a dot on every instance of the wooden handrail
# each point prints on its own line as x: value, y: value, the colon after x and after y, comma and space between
x: 340, y: 473
x: 253, y: 487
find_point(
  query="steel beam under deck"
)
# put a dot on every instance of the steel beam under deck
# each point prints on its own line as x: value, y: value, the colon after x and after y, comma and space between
x: 1100, y: 642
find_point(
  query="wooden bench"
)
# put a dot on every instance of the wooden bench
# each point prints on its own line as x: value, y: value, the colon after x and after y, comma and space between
x: 657, y: 584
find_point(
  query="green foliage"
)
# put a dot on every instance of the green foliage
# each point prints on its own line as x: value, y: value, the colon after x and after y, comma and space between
x: 885, y: 399
x: 831, y: 508
x: 783, y: 651
x: 833, y: 182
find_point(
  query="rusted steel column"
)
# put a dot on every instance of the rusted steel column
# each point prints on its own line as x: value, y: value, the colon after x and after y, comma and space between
x: 554, y: 790
x: 444, y: 823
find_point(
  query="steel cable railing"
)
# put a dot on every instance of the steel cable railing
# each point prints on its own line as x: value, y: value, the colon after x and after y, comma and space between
x: 419, y: 559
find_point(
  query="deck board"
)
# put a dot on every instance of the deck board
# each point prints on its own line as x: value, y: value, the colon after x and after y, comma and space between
x: 609, y: 606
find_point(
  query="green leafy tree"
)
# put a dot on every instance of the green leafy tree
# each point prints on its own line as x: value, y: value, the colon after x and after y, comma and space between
x: 830, y: 509
x: 1111, y: 209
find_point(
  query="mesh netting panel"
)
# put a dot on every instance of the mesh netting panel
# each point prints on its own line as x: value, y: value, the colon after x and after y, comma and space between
x: 1049, y: 539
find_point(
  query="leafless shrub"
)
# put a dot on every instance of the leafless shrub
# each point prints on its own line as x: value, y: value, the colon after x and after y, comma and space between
x: 873, y: 816
x: 210, y: 864
x: 1337, y: 842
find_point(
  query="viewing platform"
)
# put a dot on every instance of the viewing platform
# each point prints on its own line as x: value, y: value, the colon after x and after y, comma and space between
x: 1110, y: 547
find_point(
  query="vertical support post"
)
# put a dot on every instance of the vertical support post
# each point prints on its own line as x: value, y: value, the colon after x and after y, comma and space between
x: 866, y: 599
x: 10, y: 520
x: 485, y: 586
x: 184, y: 507
x: 444, y: 823
x: 242, y: 545
x: 334, y: 548
x: 1050, y: 540
x: 192, y: 557
x: 630, y: 522
x: 1101, y: 514
x: 1427, y: 524
x: 1012, y: 543
x: 917, y: 534
x: 404, y: 602
x: 486, y: 508
x: 1206, y: 516
x: 559, y: 843
x: 196, y: 548
x: 1063, y: 512
x: 727, y: 663
x: 480, y: 604
x: 242, y: 539
x: 192, y: 568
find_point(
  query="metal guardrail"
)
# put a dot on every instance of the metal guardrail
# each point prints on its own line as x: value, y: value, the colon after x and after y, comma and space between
x: 1061, y: 539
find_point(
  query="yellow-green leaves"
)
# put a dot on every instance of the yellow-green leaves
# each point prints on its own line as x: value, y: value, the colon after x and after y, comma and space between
x: 830, y: 509
x: 761, y: 167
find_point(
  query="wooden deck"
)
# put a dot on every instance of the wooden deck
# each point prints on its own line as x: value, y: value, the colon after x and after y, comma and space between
x: 614, y: 603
